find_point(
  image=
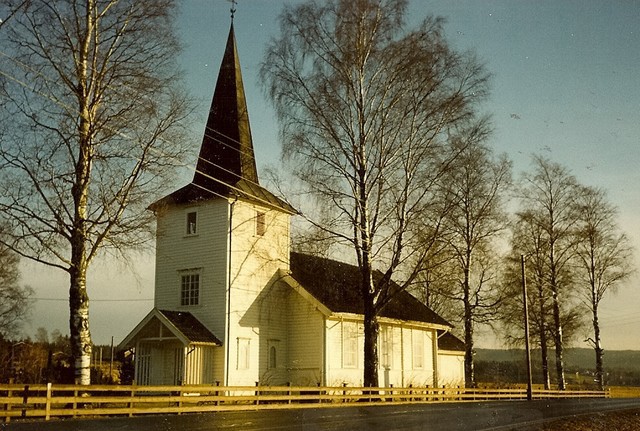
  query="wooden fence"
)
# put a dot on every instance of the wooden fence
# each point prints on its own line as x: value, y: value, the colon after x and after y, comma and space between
x: 49, y: 401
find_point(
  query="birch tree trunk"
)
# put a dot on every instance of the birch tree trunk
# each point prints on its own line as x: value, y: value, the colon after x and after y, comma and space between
x: 97, y: 131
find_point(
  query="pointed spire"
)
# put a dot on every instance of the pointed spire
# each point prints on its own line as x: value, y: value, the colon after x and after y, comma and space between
x: 227, y: 147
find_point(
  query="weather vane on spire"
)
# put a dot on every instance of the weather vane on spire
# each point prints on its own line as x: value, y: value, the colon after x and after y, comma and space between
x: 233, y: 7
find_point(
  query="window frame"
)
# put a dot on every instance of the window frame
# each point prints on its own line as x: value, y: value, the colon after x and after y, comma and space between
x: 386, y: 346
x: 261, y: 223
x: 190, y: 297
x: 350, y: 345
x: 243, y: 353
x: 191, y: 228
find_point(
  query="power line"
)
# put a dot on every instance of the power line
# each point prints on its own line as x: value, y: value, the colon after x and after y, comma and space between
x: 96, y: 300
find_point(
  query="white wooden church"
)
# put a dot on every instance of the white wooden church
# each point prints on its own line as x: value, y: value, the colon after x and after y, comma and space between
x: 234, y: 305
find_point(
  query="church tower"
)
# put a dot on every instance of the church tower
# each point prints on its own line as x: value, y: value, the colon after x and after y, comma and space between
x: 221, y: 240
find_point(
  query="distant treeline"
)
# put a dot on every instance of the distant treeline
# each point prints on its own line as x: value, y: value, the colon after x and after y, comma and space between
x: 622, y: 367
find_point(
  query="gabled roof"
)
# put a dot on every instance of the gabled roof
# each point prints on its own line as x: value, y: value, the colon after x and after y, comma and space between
x: 448, y: 341
x: 226, y: 165
x: 337, y: 286
x: 181, y: 325
x: 192, y: 329
x: 242, y: 190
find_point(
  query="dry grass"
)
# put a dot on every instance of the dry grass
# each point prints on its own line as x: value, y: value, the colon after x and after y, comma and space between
x: 626, y: 420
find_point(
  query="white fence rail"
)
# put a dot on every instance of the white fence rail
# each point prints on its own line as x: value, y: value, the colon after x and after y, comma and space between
x: 49, y: 401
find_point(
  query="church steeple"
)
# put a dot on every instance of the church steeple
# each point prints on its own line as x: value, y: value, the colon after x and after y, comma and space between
x: 226, y: 165
x: 226, y: 155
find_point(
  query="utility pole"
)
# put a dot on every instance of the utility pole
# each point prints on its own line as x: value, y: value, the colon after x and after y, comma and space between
x: 526, y: 329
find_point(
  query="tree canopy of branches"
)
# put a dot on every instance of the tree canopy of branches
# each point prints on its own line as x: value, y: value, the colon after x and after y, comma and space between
x: 548, y: 207
x: 365, y: 110
x: 527, y: 239
x: 14, y: 299
x: 96, y: 125
x: 603, y: 256
x: 474, y: 188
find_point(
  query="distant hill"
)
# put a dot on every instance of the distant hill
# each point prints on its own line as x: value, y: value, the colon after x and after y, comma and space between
x: 508, y: 366
x: 575, y: 358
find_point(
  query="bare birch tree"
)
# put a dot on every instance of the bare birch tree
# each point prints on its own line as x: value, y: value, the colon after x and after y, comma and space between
x: 475, y: 186
x: 529, y: 239
x: 95, y: 128
x: 548, y: 196
x: 603, y: 256
x: 365, y: 108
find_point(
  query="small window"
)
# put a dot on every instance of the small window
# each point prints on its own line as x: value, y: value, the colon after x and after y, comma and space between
x: 190, y: 289
x: 192, y: 223
x: 244, y: 350
x: 261, y: 225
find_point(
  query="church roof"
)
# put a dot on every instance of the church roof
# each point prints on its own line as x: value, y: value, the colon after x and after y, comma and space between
x: 227, y: 153
x: 226, y: 165
x: 337, y: 286
x: 182, y: 325
x: 190, y: 327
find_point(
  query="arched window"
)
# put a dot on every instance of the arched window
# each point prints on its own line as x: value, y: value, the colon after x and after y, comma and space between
x: 272, y: 357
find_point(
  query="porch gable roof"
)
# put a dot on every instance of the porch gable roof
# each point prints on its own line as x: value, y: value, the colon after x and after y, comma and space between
x: 181, y: 324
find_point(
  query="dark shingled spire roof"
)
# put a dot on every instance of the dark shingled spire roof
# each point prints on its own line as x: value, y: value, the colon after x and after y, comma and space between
x: 226, y: 164
x: 227, y: 148
x: 337, y: 286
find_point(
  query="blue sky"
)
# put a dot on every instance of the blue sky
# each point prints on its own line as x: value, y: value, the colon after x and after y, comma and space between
x: 566, y: 84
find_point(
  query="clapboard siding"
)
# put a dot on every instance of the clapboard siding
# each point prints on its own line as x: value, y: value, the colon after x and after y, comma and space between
x: 306, y: 339
x: 206, y: 252
x: 450, y: 368
x: 255, y: 260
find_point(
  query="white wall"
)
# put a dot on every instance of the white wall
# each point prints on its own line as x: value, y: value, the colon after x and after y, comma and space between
x: 401, y: 369
x: 306, y: 340
x: 205, y: 252
x: 255, y: 260
x: 451, y: 368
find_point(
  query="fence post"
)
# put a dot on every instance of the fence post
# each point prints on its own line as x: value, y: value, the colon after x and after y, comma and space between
x: 319, y: 394
x: 217, y: 392
x: 47, y: 408
x: 257, y: 393
x: 344, y: 392
x: 7, y: 405
x: 132, y: 395
x: 289, y: 393
x: 75, y: 400
x: 25, y: 399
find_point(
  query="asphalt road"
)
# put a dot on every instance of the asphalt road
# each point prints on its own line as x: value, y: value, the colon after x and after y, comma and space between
x: 509, y: 415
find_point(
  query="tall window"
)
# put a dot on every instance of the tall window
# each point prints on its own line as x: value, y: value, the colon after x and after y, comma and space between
x: 418, y: 349
x: 386, y: 346
x: 273, y: 359
x: 273, y: 353
x: 190, y: 289
x: 261, y: 225
x: 192, y: 223
x: 349, y: 345
x: 244, y: 357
